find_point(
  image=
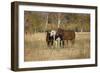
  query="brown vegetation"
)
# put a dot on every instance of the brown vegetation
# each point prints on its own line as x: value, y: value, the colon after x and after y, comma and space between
x: 37, y: 50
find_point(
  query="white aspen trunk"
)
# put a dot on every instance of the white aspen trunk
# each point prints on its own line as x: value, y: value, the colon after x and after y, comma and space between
x: 82, y: 24
x: 59, y: 20
x: 46, y: 22
x: 81, y: 29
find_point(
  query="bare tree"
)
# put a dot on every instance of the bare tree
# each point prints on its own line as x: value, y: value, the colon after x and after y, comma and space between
x: 59, y: 19
x: 46, y: 23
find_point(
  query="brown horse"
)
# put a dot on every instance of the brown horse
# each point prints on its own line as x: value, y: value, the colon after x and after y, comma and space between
x: 66, y: 35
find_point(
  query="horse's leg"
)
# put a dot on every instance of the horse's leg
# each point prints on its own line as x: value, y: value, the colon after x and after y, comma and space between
x: 52, y: 43
x: 73, y: 41
x: 66, y: 43
x: 49, y: 43
x: 60, y: 43
x: 56, y: 44
x: 63, y: 44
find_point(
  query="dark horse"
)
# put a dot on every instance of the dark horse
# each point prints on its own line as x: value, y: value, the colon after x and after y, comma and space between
x: 52, y: 38
x: 49, y: 39
x: 66, y: 35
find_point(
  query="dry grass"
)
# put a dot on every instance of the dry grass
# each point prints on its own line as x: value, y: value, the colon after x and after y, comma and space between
x: 37, y: 50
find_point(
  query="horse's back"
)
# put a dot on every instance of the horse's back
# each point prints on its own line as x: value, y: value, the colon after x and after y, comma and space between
x: 69, y: 35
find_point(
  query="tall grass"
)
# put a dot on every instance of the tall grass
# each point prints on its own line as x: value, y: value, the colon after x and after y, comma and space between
x: 36, y: 48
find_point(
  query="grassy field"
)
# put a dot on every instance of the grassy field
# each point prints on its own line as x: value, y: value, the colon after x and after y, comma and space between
x: 37, y: 50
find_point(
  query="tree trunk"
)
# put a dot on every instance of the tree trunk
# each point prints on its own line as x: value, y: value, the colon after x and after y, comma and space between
x: 59, y: 20
x: 46, y: 22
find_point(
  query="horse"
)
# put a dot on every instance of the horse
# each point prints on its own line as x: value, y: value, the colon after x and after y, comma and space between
x: 56, y: 38
x: 53, y: 39
x: 66, y: 35
x: 49, y: 39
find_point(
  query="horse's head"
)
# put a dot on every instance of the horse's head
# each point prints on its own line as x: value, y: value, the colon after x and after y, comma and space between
x: 52, y: 33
